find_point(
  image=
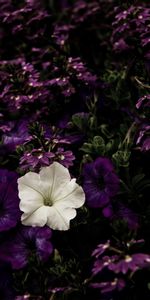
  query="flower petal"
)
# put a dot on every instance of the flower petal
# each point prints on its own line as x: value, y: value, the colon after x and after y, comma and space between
x: 59, y: 219
x: 36, y: 218
x: 53, y: 178
x: 30, y: 192
x: 71, y: 195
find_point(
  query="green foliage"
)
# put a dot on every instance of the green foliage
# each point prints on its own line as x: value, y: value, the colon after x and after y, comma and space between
x: 121, y: 158
x: 95, y: 147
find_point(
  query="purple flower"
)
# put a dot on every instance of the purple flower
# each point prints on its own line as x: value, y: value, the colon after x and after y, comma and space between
x: 109, y: 286
x: 104, y: 262
x: 101, y: 248
x: 146, y: 144
x: 143, y: 138
x: 17, y: 135
x: 64, y: 157
x: 120, y: 46
x: 77, y: 68
x: 25, y: 242
x: 100, y: 182
x: 36, y: 159
x: 131, y: 262
x: 9, y: 201
x: 126, y: 214
x: 131, y: 29
x: 143, y: 102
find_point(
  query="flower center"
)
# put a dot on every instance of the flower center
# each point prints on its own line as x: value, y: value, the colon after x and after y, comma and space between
x: 48, y: 202
x: 101, y: 182
x: 128, y: 258
x: 1, y: 209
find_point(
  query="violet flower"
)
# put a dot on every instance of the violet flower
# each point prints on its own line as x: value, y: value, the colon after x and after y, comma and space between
x: 129, y: 216
x: 143, y: 138
x: 131, y: 262
x: 100, y: 182
x: 104, y: 262
x: 64, y: 157
x: 100, y: 249
x: 35, y: 159
x: 109, y: 286
x: 143, y: 101
x: 17, y: 135
x: 24, y: 242
x: 9, y: 201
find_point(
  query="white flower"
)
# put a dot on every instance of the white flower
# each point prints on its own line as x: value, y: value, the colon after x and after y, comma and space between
x: 50, y: 197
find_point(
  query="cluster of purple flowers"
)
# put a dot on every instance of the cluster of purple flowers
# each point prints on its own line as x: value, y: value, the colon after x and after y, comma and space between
x: 118, y: 263
x: 131, y: 29
x: 74, y: 89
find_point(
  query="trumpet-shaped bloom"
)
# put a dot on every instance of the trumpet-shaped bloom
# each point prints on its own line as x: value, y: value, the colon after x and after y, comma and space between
x: 100, y: 182
x: 50, y: 197
x: 24, y: 243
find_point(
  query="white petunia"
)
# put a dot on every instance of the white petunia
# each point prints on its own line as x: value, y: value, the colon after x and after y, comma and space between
x: 50, y: 197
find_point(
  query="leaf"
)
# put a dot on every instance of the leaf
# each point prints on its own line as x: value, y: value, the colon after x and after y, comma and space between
x: 137, y: 178
x: 109, y: 145
x: 87, y: 148
x: 99, y: 144
x: 121, y: 158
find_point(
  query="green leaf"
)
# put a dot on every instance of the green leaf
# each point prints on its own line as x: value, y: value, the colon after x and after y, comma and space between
x: 137, y: 178
x: 105, y: 131
x: 99, y: 144
x: 121, y: 158
x: 87, y: 148
x: 80, y: 120
x: 109, y: 145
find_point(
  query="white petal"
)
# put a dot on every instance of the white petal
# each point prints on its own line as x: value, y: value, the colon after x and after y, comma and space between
x: 60, y: 219
x: 37, y: 218
x: 53, y: 179
x: 30, y: 192
x: 72, y: 195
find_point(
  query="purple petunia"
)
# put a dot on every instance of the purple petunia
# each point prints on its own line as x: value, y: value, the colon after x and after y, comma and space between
x: 17, y: 135
x: 25, y: 242
x: 100, y: 182
x: 9, y: 201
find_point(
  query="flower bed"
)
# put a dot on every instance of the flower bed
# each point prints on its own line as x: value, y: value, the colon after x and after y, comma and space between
x: 74, y: 150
